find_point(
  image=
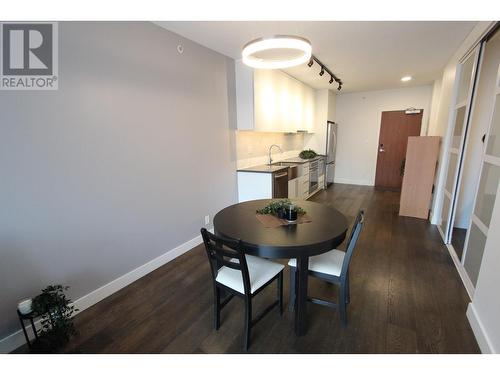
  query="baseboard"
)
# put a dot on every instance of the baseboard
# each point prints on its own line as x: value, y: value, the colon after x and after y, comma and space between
x: 479, y: 332
x: 16, y: 339
x: 340, y: 180
x: 469, y: 287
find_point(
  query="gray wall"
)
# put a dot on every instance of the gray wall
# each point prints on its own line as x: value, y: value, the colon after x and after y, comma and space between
x: 118, y: 166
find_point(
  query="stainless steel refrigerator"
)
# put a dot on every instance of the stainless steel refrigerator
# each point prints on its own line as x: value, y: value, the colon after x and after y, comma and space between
x: 331, y: 148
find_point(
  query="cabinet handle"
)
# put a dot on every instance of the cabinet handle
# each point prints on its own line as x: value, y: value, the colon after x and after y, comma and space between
x: 281, y: 175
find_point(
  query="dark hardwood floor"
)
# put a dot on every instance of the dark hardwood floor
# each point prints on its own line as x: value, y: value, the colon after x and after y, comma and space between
x: 406, y: 297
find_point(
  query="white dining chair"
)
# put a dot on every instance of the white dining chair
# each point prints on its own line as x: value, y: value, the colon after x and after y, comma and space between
x: 332, y: 267
x: 240, y: 275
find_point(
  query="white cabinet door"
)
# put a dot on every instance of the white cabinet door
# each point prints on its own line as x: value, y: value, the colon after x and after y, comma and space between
x: 293, y: 188
x: 269, y: 96
x: 244, y: 96
x: 252, y: 185
x: 272, y: 101
x: 304, y: 187
x: 306, y: 116
x: 321, y: 181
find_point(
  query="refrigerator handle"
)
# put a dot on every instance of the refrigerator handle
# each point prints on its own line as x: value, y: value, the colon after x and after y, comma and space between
x: 334, y: 142
x: 328, y: 131
x: 329, y: 127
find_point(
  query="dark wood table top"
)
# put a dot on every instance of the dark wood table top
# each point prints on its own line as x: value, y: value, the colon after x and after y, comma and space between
x: 326, y: 231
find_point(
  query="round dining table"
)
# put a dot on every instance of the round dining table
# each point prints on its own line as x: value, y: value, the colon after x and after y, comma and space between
x: 325, y: 231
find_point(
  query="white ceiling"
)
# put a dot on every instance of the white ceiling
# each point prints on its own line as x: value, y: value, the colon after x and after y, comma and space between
x: 365, y: 55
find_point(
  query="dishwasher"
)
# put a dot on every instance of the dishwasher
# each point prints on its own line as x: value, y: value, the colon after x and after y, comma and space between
x: 280, y: 184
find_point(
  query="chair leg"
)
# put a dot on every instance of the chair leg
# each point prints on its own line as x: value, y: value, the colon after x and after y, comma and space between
x: 216, y: 308
x: 291, y: 305
x: 343, y: 303
x: 280, y: 292
x: 248, y: 322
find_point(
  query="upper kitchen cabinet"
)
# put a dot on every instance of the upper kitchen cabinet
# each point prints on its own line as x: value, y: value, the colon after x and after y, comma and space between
x: 272, y: 101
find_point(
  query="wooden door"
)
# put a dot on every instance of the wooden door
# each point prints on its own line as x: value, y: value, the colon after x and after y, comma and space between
x: 395, y: 128
x: 420, y: 168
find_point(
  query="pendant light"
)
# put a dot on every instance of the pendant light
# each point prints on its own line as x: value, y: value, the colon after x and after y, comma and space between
x: 277, y: 52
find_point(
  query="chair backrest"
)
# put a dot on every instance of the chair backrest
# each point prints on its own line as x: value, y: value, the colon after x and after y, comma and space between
x: 221, y: 251
x: 353, y: 238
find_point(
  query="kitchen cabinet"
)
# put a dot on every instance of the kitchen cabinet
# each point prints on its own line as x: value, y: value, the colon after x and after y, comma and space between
x: 263, y: 184
x: 272, y: 101
x: 253, y: 185
x: 278, y: 181
x: 293, y: 188
x: 304, y: 187
x: 321, y: 181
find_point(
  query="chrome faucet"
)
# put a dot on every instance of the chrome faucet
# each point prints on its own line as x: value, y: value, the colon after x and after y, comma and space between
x: 270, y: 149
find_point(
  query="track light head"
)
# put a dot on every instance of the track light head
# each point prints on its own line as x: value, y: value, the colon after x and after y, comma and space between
x: 331, y: 80
x: 340, y: 87
x: 322, y: 71
x: 310, y: 63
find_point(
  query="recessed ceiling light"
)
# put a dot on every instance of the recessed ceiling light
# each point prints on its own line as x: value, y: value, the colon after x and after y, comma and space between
x: 278, y: 52
x: 406, y: 79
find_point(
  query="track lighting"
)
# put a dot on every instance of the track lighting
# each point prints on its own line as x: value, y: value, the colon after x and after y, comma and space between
x: 324, y: 68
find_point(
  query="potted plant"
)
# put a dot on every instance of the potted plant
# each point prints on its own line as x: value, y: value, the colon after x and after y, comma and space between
x: 56, y: 312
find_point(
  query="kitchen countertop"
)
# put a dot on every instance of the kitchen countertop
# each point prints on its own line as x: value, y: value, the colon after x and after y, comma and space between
x: 299, y: 160
x: 266, y: 168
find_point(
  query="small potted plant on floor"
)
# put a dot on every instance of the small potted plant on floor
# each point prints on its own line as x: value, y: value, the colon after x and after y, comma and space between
x: 56, y: 312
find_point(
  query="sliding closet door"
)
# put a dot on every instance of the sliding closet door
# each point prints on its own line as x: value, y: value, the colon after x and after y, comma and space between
x: 466, y: 72
x: 488, y: 182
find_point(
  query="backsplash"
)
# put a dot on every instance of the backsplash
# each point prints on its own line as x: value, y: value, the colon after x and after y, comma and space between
x: 252, y: 148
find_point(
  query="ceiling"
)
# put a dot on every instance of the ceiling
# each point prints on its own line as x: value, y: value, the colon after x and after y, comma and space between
x: 365, y: 55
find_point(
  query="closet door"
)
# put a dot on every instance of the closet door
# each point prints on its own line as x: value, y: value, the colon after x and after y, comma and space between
x: 486, y: 193
x: 466, y: 73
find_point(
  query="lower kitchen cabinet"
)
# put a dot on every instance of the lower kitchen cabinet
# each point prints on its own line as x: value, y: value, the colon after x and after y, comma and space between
x: 304, y: 187
x: 254, y: 186
x: 293, y: 188
x: 257, y: 183
x: 321, y: 181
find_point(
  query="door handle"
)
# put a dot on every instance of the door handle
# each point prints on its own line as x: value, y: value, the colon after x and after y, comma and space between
x: 381, y: 148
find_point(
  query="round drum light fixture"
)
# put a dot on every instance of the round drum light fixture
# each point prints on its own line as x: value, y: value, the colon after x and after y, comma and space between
x: 277, y: 52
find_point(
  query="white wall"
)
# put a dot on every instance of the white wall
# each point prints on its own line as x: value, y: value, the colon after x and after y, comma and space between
x: 118, y: 166
x: 435, y: 101
x: 358, y: 115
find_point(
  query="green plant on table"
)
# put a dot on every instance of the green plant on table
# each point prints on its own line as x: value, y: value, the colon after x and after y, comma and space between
x: 273, y: 207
